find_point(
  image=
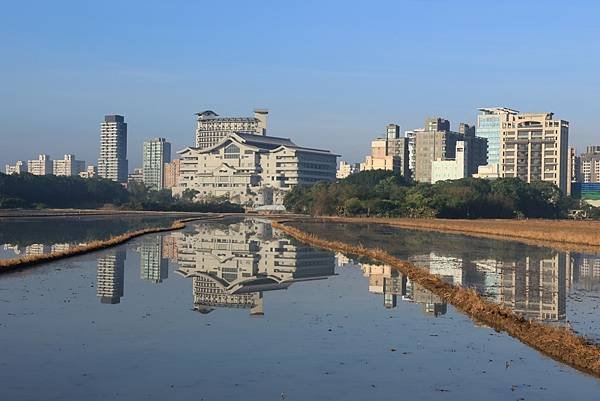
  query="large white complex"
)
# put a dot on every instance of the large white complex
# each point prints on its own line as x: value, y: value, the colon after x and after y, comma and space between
x: 41, y: 166
x: 157, y: 152
x: 253, y: 170
x: 211, y: 128
x: 68, y: 166
x: 112, y: 163
x: 534, y: 146
x: 19, y: 167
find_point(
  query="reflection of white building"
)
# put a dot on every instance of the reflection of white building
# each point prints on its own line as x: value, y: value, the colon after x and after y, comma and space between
x: 60, y: 247
x: 233, y: 265
x: 449, y: 268
x: 37, y: 249
x: 111, y: 277
x: 252, y: 169
x: 341, y: 260
x: 16, y: 249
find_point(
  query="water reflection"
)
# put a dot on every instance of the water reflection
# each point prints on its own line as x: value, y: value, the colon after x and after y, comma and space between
x: 231, y: 266
x: 111, y: 276
x: 391, y: 283
x: 42, y: 235
x: 154, y: 266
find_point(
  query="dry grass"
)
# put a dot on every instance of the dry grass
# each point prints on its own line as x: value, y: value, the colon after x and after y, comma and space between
x: 565, y: 235
x: 8, y: 265
x: 559, y: 343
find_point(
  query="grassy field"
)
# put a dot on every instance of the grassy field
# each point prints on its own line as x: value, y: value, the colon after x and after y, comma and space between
x: 561, y: 234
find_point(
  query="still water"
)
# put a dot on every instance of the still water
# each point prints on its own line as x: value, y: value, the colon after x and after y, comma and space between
x: 540, y: 283
x: 237, y: 310
x: 40, y: 235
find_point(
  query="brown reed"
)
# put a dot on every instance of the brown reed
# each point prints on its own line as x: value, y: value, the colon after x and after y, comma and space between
x: 559, y: 343
x: 8, y: 265
x: 567, y: 235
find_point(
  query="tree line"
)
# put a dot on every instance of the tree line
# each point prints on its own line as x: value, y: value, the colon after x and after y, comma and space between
x: 383, y: 193
x: 49, y: 191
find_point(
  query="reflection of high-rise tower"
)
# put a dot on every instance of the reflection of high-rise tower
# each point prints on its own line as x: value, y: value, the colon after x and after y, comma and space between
x: 111, y: 277
x: 535, y: 287
x: 231, y: 266
x: 153, y: 267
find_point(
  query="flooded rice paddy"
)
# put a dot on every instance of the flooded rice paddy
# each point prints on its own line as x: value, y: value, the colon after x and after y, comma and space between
x: 235, y: 309
x: 42, y: 235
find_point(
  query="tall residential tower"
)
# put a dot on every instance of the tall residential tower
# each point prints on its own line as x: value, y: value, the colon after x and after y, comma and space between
x: 534, y: 146
x: 157, y: 152
x: 112, y: 163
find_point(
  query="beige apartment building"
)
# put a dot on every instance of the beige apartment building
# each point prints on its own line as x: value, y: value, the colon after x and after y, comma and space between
x: 19, y: 167
x: 211, y: 128
x: 253, y: 170
x: 68, y: 166
x: 534, y: 146
x: 171, y: 173
x: 41, y: 166
x: 389, y: 153
x: 346, y: 169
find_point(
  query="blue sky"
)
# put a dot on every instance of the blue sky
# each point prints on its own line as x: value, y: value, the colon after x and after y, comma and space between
x: 332, y: 73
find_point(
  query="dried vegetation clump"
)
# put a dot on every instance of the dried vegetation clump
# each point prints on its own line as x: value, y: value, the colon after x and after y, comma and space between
x: 559, y: 343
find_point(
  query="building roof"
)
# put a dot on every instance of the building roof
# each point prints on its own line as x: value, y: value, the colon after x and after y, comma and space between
x: 492, y: 110
x: 263, y: 142
x: 207, y: 113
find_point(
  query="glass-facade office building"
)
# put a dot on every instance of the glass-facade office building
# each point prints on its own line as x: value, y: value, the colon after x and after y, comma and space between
x: 488, y: 126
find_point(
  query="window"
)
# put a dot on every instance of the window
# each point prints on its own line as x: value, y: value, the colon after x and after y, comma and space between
x: 232, y: 152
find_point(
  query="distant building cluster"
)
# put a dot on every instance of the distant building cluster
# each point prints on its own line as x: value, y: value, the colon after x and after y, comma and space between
x: 234, y: 158
x: 503, y: 143
x: 44, y: 165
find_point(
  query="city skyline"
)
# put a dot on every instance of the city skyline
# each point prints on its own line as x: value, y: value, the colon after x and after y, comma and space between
x: 368, y: 72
